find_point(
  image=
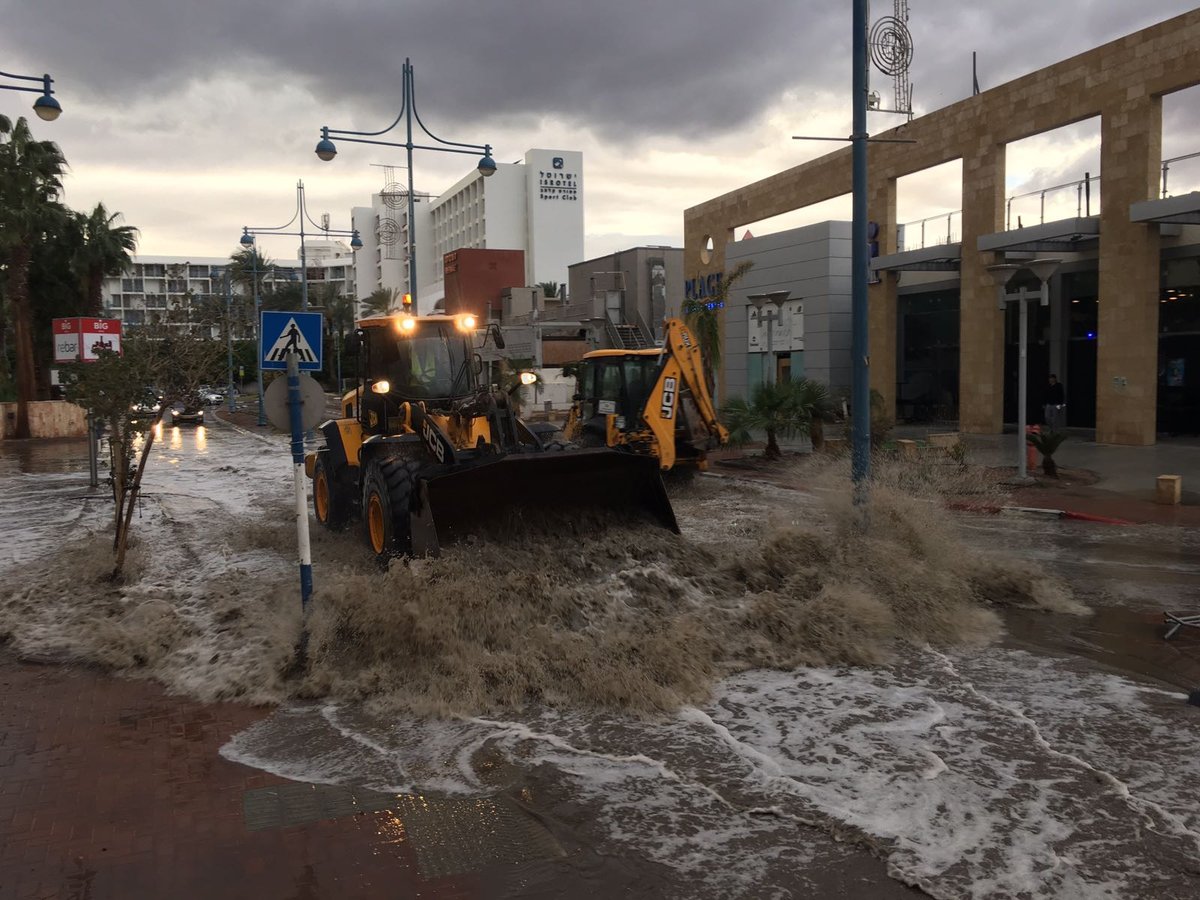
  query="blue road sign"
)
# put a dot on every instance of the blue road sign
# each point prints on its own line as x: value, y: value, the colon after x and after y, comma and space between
x: 284, y: 331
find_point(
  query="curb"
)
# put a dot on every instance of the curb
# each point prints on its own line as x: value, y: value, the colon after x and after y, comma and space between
x: 1036, y: 511
x: 236, y: 427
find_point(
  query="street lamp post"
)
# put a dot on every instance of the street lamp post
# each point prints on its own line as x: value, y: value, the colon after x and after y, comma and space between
x: 777, y: 298
x: 229, y: 335
x: 327, y: 150
x: 247, y: 241
x: 1003, y: 275
x: 46, y: 106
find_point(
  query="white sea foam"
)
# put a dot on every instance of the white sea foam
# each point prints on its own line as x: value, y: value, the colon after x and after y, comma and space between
x: 975, y: 777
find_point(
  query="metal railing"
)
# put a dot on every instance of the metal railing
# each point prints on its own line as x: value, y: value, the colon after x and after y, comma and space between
x: 1166, y: 166
x: 943, y: 232
x: 1083, y: 199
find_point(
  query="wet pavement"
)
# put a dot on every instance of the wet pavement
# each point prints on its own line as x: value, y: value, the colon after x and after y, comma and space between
x: 1057, y: 763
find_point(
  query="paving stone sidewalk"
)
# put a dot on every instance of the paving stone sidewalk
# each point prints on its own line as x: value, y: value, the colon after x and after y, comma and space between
x: 110, y: 788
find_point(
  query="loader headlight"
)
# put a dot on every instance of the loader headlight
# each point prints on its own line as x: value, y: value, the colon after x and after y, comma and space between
x: 466, y: 323
x: 381, y: 387
x: 408, y: 323
x: 528, y: 378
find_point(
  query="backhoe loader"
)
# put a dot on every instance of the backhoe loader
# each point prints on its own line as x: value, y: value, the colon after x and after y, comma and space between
x: 652, y: 402
x: 424, y: 454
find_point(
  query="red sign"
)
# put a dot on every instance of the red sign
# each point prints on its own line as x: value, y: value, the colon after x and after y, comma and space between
x: 81, y: 340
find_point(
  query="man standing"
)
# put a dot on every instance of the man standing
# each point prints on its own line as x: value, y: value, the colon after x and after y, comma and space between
x: 1055, y: 407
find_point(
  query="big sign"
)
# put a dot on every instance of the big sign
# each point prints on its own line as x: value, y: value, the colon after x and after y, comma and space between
x: 81, y: 340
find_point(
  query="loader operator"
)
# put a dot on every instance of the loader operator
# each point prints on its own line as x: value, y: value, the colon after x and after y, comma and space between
x: 422, y: 368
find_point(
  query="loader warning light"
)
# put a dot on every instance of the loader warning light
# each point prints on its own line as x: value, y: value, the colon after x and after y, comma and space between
x: 407, y: 301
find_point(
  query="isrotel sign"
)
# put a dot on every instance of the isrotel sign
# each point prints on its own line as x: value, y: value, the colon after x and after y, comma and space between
x: 82, y: 340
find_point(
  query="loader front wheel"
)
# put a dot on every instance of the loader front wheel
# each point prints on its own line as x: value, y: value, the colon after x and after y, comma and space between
x: 332, y: 503
x: 387, y: 501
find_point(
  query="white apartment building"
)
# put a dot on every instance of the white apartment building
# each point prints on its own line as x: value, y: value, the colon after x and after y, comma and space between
x: 167, y: 288
x: 535, y: 205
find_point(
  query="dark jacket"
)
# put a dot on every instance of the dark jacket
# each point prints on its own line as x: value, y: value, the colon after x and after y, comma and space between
x: 1055, y: 396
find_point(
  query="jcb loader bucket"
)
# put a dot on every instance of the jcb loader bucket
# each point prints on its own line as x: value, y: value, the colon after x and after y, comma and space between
x: 490, y: 493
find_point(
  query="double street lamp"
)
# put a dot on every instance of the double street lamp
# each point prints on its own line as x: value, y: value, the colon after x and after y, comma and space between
x: 1003, y: 275
x: 46, y: 106
x: 247, y: 241
x: 327, y: 150
x: 776, y: 299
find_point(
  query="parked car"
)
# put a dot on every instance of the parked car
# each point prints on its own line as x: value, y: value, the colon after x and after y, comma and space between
x: 211, y: 396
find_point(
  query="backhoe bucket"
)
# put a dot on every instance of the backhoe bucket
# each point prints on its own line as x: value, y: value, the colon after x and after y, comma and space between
x: 533, y: 486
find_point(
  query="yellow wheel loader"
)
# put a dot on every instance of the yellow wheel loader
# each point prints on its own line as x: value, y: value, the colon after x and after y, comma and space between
x: 652, y: 402
x: 424, y: 454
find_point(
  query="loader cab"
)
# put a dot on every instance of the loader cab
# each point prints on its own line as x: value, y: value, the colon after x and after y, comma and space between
x: 418, y: 358
x: 617, y: 382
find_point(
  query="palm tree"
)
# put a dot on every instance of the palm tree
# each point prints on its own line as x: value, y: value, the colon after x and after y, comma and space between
x: 815, y: 404
x: 106, y: 251
x: 704, y: 320
x: 1047, y: 444
x: 549, y: 288
x: 776, y: 409
x: 382, y: 301
x: 247, y: 265
x: 30, y: 182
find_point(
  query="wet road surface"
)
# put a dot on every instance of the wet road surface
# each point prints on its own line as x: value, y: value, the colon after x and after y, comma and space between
x: 1058, y: 764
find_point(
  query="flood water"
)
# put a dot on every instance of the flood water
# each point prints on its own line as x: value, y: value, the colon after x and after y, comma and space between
x: 792, y: 715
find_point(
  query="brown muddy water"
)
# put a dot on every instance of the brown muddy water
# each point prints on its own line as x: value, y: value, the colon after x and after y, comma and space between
x: 694, y: 716
x: 592, y: 612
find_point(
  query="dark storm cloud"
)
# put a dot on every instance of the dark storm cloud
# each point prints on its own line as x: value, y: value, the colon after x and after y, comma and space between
x: 631, y: 65
x: 626, y: 68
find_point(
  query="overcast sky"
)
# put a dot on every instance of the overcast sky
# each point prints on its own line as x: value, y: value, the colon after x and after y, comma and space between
x: 196, y: 118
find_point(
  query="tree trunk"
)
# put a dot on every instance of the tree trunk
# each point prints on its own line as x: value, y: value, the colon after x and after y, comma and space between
x: 95, y: 295
x: 772, y: 451
x: 22, y: 320
x: 131, y: 499
x: 816, y: 433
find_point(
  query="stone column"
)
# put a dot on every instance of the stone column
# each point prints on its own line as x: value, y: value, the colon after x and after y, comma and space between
x: 981, y: 322
x: 881, y: 297
x: 1127, y: 355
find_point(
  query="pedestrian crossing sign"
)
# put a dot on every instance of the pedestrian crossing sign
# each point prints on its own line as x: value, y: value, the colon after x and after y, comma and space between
x: 282, y: 331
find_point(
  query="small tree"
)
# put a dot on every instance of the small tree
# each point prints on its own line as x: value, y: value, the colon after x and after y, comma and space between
x: 1047, y: 444
x: 549, y: 288
x: 817, y: 407
x: 777, y: 409
x: 113, y: 386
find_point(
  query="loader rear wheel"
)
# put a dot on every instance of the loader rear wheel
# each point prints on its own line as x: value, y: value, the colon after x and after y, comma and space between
x: 332, y: 502
x: 387, y: 501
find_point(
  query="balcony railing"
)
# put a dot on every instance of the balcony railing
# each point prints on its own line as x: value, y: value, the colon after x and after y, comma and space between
x: 1166, y: 167
x: 944, y: 228
x: 1083, y: 200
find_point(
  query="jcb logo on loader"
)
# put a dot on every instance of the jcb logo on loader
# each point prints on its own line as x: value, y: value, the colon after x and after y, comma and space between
x: 431, y: 438
x: 668, y: 398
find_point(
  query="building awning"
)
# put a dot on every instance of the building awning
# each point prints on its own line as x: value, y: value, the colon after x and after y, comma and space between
x: 1063, y: 236
x: 1183, y: 210
x: 941, y: 258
